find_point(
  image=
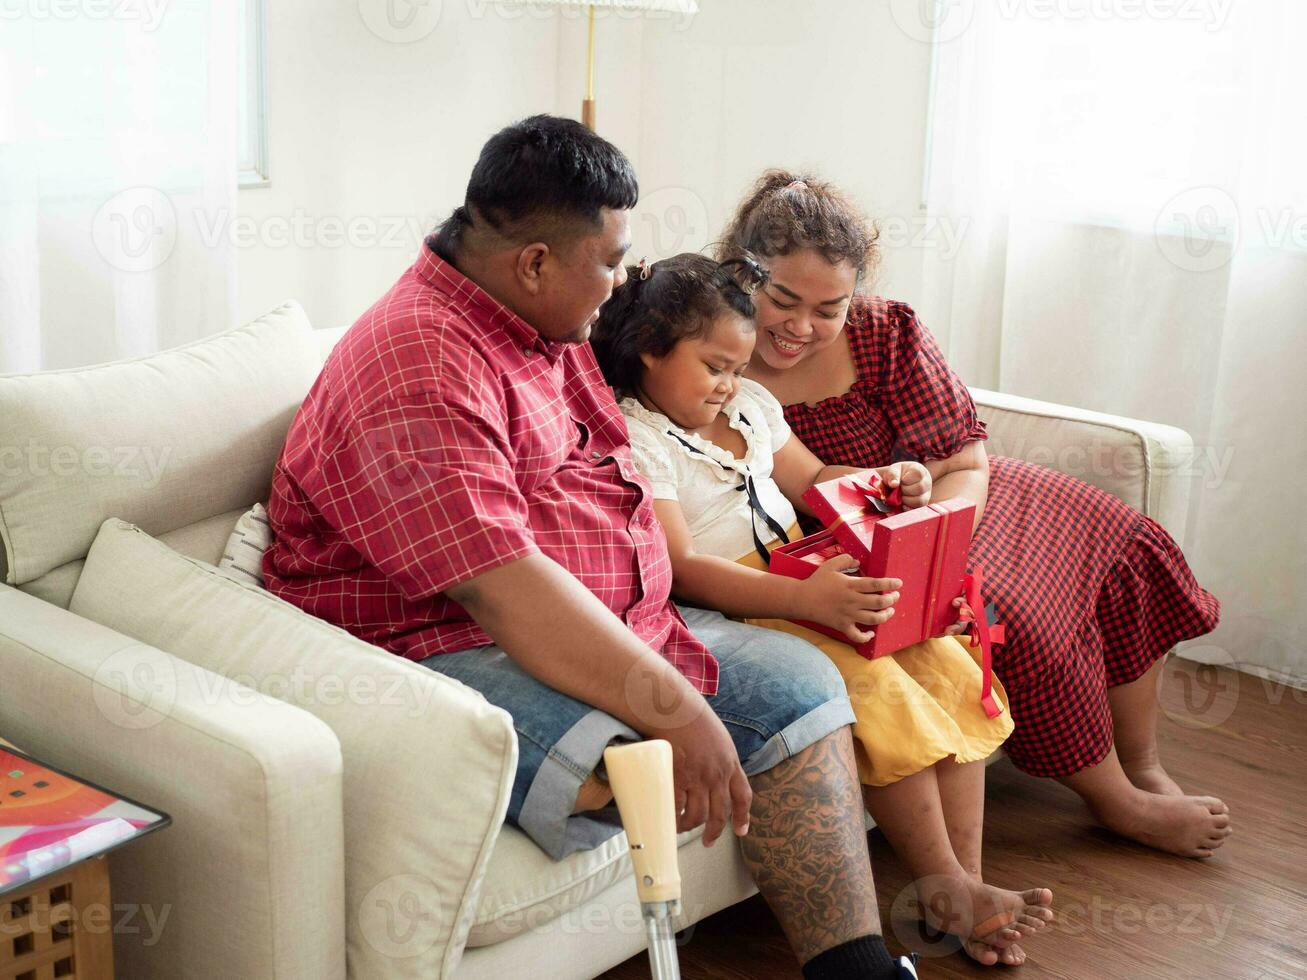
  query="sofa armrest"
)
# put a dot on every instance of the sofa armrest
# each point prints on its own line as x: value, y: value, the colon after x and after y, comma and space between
x: 428, y: 763
x: 1146, y: 464
x: 248, y: 881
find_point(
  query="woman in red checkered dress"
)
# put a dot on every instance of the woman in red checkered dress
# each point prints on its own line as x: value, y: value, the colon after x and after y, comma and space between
x: 1092, y: 593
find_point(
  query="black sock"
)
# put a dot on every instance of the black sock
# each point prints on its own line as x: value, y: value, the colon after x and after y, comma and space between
x: 864, y: 958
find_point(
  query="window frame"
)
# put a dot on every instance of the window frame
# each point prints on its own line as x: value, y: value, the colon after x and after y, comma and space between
x: 252, y: 166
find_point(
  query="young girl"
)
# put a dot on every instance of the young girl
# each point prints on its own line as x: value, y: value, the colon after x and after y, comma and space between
x: 727, y: 475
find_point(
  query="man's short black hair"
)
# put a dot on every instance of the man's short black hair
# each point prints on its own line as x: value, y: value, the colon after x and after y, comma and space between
x: 544, y: 177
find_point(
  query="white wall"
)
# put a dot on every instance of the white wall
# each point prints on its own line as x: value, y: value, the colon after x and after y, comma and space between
x: 831, y: 86
x: 361, y: 128
x: 372, y: 142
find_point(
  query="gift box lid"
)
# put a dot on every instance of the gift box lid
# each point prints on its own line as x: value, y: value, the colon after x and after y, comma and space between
x: 852, y: 510
x: 845, y: 497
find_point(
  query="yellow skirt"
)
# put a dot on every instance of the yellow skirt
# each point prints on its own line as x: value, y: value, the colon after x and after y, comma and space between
x: 913, y: 708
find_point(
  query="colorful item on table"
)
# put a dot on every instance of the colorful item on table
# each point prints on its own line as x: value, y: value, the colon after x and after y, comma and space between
x: 49, y: 820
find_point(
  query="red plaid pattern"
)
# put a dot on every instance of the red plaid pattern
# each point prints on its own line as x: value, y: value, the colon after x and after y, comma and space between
x: 445, y: 438
x: 1090, y: 591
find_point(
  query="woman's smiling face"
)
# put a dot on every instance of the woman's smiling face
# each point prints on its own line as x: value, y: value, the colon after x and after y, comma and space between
x: 802, y: 309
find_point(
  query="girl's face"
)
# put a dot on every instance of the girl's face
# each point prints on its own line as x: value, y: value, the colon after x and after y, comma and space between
x: 698, y: 376
x: 802, y: 309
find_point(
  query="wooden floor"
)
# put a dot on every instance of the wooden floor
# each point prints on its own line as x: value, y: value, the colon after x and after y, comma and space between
x: 1124, y: 911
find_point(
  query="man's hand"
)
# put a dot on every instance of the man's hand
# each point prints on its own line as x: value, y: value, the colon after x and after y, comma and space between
x: 710, y: 785
x: 913, y: 478
x: 590, y: 654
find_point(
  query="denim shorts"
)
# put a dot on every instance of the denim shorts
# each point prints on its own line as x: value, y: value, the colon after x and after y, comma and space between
x: 777, y: 694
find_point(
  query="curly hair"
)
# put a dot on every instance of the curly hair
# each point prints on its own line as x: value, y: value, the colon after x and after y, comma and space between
x: 787, y: 212
x: 662, y: 304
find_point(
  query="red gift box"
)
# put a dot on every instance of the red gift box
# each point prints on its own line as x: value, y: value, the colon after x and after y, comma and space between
x: 925, y: 547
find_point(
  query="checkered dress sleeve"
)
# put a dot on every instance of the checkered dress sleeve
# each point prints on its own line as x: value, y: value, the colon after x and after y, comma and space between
x: 929, y: 407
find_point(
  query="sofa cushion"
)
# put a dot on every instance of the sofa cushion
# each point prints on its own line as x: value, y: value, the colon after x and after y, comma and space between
x: 204, y: 540
x: 163, y: 441
x: 428, y: 764
x: 242, y: 558
x: 610, y: 922
x: 524, y: 888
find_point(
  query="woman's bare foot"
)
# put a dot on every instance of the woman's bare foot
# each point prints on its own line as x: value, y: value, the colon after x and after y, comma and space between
x: 1154, y: 779
x: 986, y: 920
x: 1191, y: 826
x: 1146, y: 773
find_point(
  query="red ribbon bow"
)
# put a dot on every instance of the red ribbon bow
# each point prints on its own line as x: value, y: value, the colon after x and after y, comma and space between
x: 982, y: 635
x: 874, y: 490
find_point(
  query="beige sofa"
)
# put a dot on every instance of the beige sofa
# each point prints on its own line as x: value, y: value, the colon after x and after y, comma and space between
x: 314, y: 839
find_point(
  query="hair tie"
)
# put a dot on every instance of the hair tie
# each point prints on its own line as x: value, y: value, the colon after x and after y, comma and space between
x: 798, y: 184
x: 645, y: 269
x: 744, y: 272
x: 756, y: 275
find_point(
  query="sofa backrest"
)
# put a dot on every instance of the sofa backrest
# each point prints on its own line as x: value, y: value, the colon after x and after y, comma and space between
x: 178, y: 443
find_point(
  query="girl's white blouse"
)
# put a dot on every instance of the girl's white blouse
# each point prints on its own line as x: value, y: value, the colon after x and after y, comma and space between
x: 704, y: 483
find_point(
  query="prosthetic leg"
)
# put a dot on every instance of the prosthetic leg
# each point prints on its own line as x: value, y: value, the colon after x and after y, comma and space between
x: 640, y: 776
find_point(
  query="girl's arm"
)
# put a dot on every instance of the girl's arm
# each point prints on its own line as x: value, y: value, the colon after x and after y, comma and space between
x: 964, y: 474
x: 829, y: 596
x: 718, y: 583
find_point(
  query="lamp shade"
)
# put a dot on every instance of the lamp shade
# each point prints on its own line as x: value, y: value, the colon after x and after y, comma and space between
x: 672, y: 6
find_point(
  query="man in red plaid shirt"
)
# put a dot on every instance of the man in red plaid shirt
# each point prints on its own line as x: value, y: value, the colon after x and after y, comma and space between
x: 458, y: 488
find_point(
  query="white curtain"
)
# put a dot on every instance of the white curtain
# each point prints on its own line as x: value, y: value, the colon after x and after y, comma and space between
x: 1132, y: 181
x: 117, y: 178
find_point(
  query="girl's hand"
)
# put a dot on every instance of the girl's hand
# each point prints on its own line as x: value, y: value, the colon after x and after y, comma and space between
x: 913, y: 478
x: 847, y: 603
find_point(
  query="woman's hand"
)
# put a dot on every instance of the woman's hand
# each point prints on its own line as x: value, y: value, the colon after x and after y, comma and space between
x: 913, y: 478
x: 965, y: 616
x: 847, y: 603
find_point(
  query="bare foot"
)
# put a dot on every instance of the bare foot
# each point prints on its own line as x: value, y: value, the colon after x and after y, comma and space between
x: 1191, y: 826
x: 1154, y: 779
x: 1148, y: 775
x: 1013, y: 955
x: 986, y: 920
